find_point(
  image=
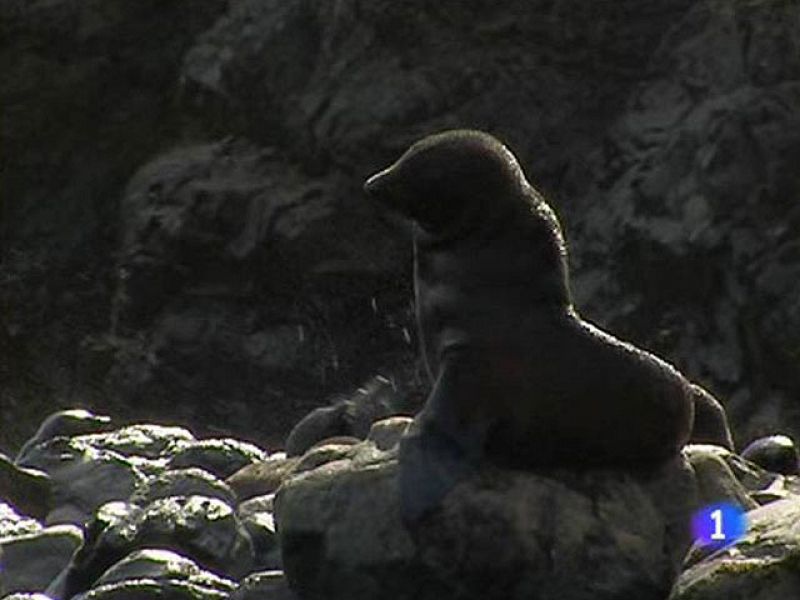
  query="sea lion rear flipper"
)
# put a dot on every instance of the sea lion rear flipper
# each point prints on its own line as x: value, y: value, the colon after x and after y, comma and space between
x: 438, y: 451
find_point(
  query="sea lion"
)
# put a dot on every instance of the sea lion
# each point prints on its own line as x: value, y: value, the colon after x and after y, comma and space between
x: 710, y: 420
x: 520, y: 379
x: 352, y: 416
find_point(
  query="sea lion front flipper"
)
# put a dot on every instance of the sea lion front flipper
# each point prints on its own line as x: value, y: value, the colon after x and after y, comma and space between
x: 438, y: 451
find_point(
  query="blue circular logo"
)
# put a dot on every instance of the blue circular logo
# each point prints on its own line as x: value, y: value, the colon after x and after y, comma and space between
x: 719, y: 524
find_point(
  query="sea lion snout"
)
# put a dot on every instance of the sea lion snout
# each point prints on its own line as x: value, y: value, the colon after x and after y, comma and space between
x: 372, y: 186
x: 384, y: 188
x: 379, y: 187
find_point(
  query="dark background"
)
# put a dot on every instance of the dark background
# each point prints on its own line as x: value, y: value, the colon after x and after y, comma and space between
x: 184, y: 237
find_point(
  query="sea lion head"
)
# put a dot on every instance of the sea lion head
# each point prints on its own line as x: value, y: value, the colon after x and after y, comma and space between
x: 445, y: 176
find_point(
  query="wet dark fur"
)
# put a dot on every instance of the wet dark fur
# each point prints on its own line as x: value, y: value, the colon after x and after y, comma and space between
x: 519, y: 377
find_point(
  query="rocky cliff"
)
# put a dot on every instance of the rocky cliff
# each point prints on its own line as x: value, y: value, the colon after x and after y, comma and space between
x: 184, y: 234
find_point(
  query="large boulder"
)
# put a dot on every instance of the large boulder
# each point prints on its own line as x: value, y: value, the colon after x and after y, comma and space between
x: 29, y: 562
x: 158, y: 574
x: 13, y: 524
x: 716, y: 480
x: 202, y: 528
x: 69, y: 422
x: 29, y: 490
x: 83, y: 477
x: 503, y: 534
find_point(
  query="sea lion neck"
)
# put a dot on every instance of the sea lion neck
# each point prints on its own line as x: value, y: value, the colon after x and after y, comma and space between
x: 482, y: 217
x: 506, y: 258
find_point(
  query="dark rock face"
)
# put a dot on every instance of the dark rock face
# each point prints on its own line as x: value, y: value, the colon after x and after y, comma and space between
x: 697, y: 229
x: 91, y: 87
x: 230, y: 258
x: 184, y: 234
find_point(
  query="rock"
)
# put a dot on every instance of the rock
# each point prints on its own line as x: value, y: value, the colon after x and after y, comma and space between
x: 28, y: 490
x: 204, y: 529
x: 339, y: 440
x: 84, y: 477
x: 779, y: 489
x: 320, y: 455
x: 158, y: 574
x: 13, y: 524
x: 760, y: 566
x: 503, y: 534
x: 66, y: 423
x: 183, y: 482
x: 751, y: 476
x: 257, y: 517
x: 236, y: 236
x: 776, y: 453
x: 31, y: 561
x: 222, y: 457
x: 386, y: 433
x: 257, y: 504
x: 142, y: 440
x: 716, y: 481
x: 261, y: 478
x: 267, y: 585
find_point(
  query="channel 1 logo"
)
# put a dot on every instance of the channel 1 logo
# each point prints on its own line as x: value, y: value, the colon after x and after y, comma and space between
x: 719, y: 525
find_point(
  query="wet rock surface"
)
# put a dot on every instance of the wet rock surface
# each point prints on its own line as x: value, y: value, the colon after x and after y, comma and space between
x: 330, y: 519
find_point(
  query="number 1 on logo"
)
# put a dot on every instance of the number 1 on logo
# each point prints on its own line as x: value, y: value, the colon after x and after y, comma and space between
x: 718, y: 534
